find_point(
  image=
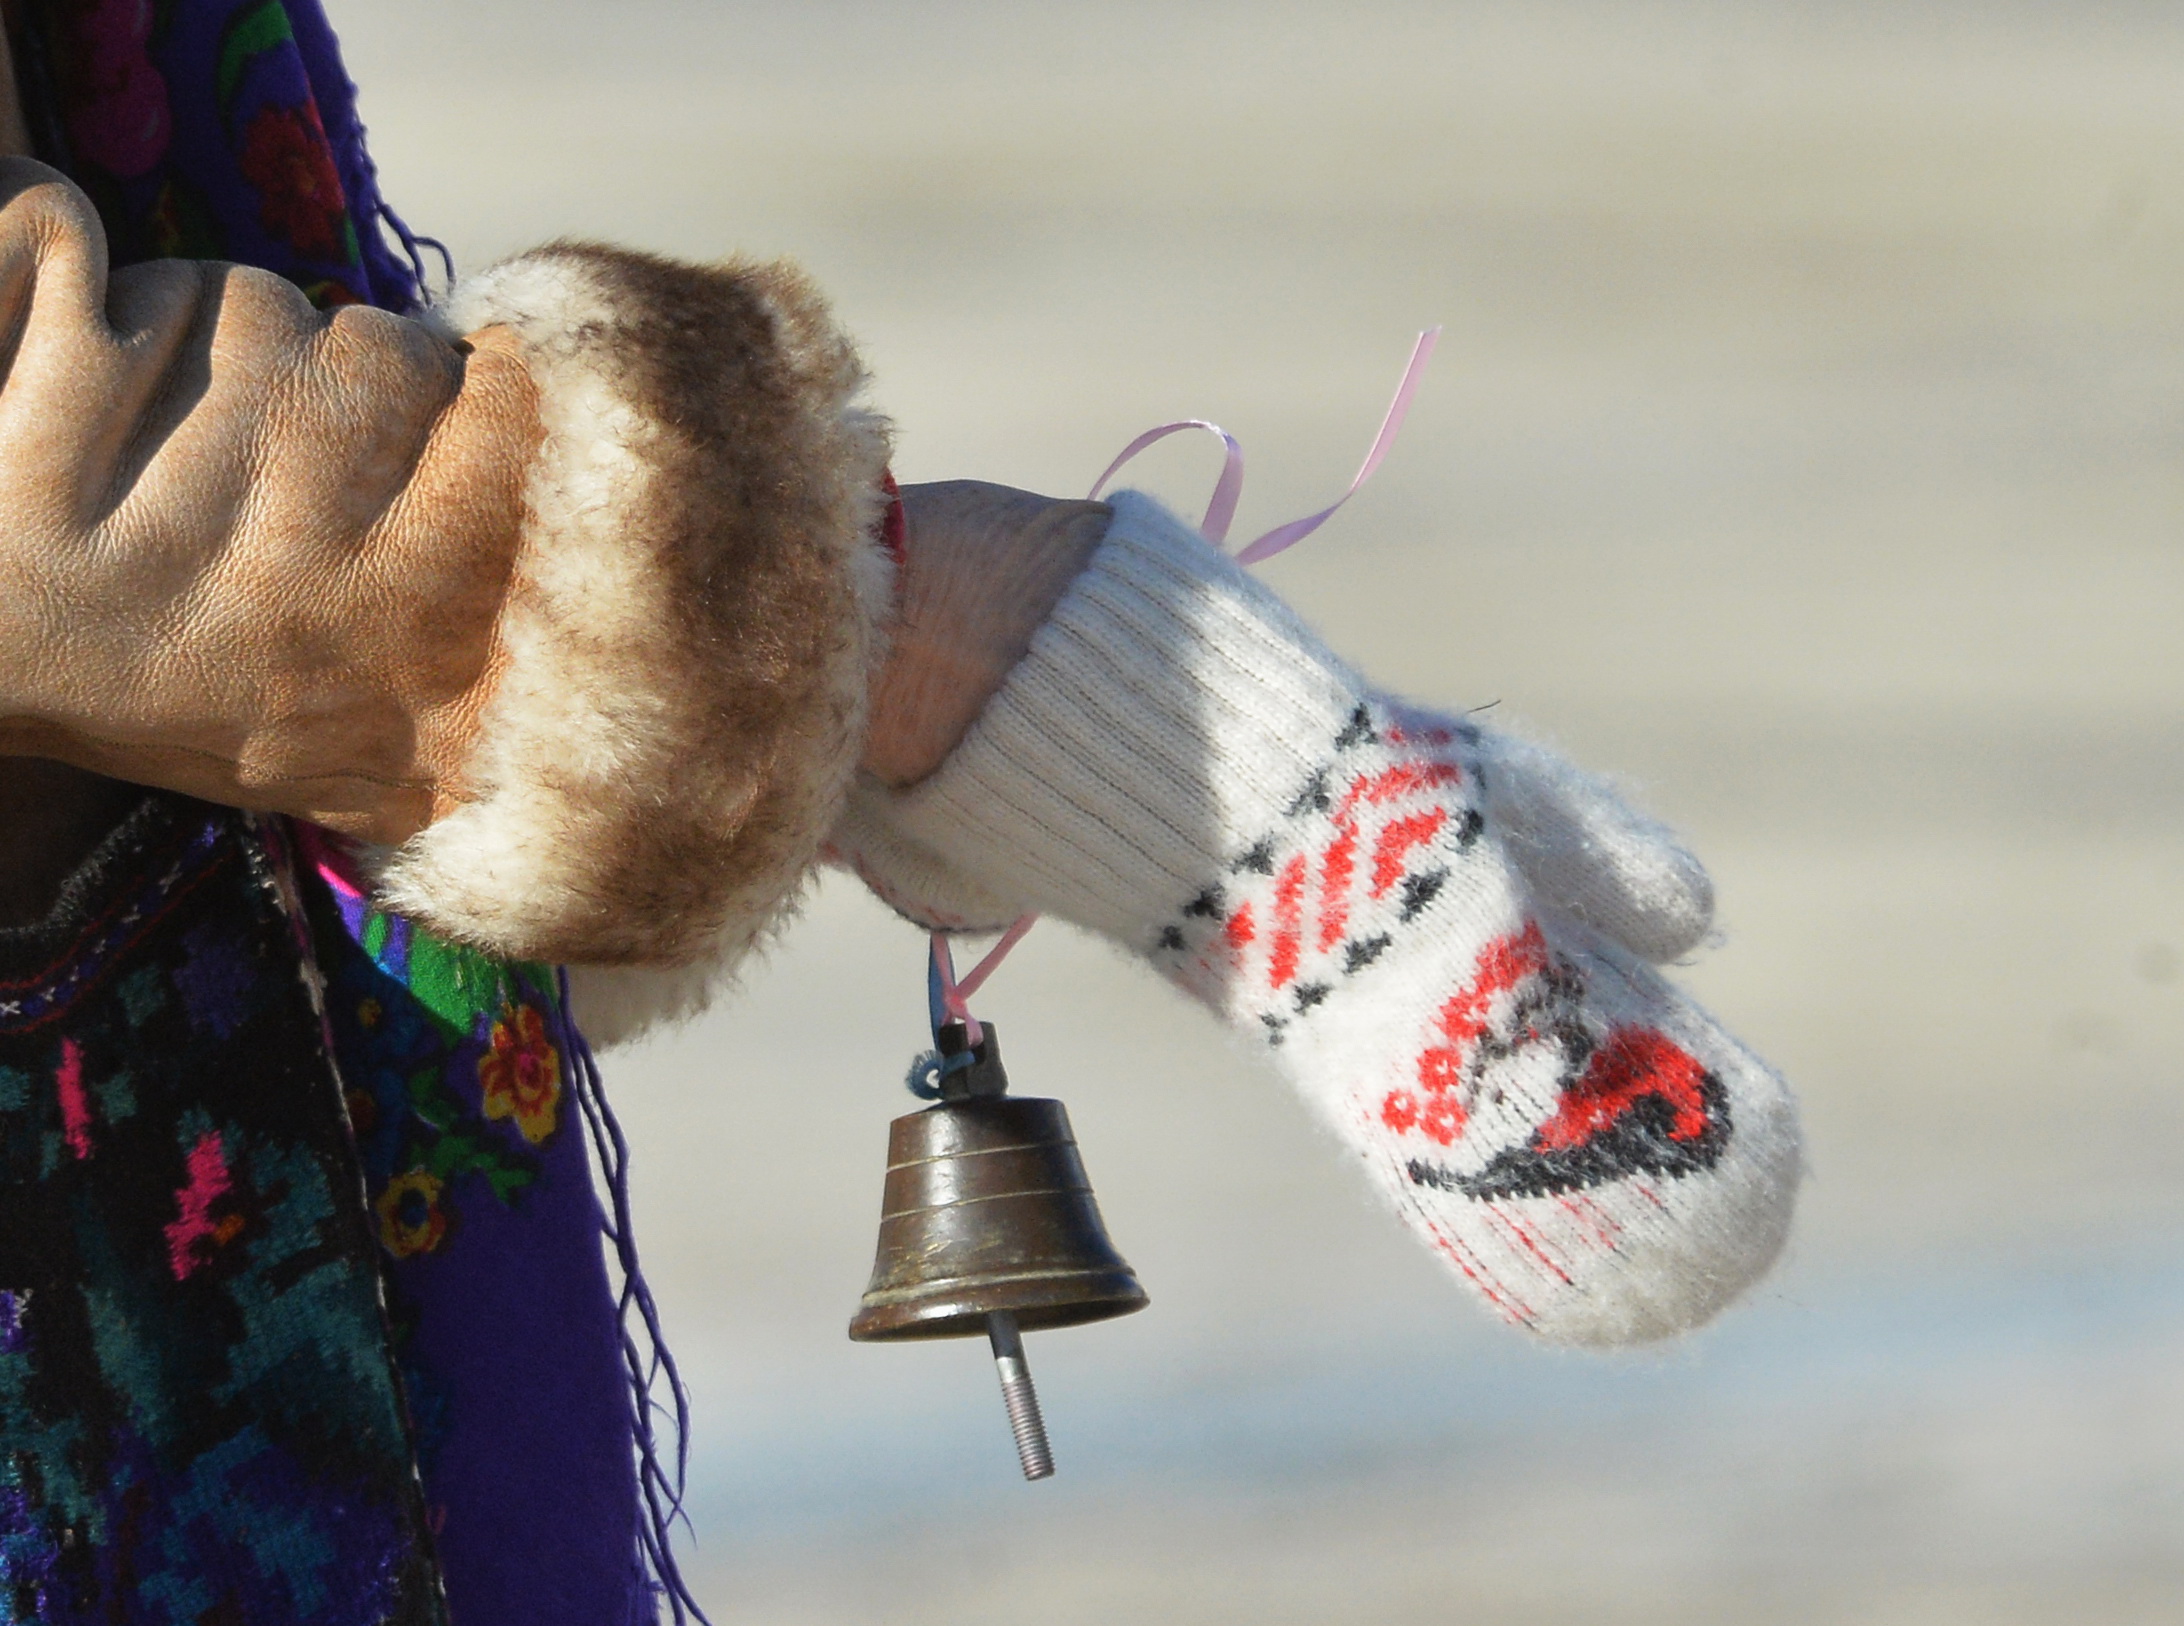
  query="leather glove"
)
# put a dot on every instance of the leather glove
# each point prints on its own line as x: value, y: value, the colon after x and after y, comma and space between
x: 573, y: 618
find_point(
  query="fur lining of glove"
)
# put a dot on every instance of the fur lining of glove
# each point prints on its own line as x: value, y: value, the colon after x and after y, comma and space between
x: 694, y: 620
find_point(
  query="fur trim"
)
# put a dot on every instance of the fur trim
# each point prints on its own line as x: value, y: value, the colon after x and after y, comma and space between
x: 615, y: 1004
x: 694, y: 621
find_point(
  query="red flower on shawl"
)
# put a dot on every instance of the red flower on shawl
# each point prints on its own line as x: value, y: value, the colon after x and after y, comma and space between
x: 521, y: 1074
x: 118, y: 115
x: 287, y: 158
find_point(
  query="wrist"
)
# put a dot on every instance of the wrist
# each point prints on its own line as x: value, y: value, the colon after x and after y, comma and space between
x: 982, y: 566
x: 1167, y: 702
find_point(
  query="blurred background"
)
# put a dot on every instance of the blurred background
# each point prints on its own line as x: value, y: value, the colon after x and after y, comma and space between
x: 1805, y: 446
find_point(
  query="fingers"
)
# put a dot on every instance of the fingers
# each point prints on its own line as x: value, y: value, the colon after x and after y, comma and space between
x: 1587, y: 852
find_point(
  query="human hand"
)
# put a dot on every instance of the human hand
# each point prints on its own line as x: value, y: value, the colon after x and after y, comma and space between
x: 983, y: 565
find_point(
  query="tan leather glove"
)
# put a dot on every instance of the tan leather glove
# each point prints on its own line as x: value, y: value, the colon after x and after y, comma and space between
x: 252, y: 553
x: 574, y: 618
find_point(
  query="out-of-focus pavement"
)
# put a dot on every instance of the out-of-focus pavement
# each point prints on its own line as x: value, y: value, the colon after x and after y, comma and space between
x: 1805, y: 444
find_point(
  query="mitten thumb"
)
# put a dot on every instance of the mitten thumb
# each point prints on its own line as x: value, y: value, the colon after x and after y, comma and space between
x: 1588, y: 853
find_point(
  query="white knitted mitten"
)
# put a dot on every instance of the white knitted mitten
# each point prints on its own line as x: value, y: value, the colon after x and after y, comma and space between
x: 1440, y: 933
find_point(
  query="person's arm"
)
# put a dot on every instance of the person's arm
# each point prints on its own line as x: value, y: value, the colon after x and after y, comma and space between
x: 571, y: 620
x: 1445, y: 937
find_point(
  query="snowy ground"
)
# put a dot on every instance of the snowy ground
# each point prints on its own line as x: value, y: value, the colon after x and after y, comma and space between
x: 1805, y: 445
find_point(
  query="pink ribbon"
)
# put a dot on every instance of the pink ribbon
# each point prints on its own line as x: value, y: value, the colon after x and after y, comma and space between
x: 955, y: 995
x: 1220, y: 515
x: 1221, y: 511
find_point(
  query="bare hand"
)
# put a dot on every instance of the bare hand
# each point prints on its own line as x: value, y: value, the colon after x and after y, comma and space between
x: 984, y: 564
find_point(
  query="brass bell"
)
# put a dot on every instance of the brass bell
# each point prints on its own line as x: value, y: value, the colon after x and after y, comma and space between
x: 988, y: 1225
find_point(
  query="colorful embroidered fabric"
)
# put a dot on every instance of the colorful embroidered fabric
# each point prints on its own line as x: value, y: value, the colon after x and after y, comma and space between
x: 199, y: 1420
x: 504, y: 1323
x: 215, y: 130
x: 227, y: 129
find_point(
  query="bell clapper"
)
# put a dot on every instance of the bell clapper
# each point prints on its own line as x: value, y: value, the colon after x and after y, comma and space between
x: 1019, y: 1396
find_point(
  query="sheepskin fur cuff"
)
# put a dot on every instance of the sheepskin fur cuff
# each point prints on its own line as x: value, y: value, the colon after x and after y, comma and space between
x: 696, y: 612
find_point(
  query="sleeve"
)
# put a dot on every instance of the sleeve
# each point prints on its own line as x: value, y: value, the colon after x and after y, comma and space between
x: 564, y: 603
x: 1439, y: 934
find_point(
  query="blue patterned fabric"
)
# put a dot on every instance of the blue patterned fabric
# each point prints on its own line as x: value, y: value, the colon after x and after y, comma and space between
x: 227, y: 129
x: 216, y: 130
x: 199, y: 1419
x: 505, y: 1325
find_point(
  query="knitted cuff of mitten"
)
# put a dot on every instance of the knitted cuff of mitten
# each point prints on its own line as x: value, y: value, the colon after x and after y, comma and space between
x: 1172, y: 700
x: 687, y: 644
x: 1453, y: 974
x: 1168, y: 702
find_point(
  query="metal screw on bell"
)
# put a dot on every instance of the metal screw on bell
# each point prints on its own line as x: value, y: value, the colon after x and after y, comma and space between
x: 988, y: 1225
